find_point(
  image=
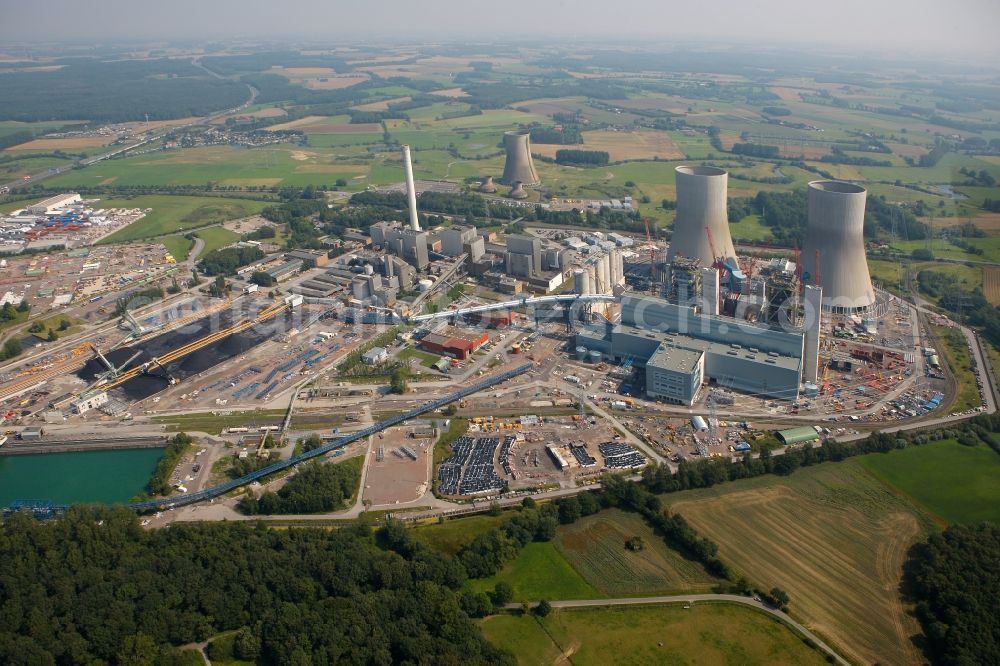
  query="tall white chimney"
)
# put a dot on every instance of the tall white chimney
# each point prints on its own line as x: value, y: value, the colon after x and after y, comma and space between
x: 411, y: 192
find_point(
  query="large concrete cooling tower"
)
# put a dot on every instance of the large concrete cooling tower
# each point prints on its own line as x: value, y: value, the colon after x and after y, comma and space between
x: 701, y: 202
x: 519, y: 165
x: 836, y: 231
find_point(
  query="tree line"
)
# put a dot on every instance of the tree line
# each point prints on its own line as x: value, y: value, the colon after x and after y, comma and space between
x: 572, y: 157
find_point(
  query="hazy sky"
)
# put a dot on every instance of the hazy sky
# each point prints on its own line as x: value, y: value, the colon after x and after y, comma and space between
x: 910, y: 25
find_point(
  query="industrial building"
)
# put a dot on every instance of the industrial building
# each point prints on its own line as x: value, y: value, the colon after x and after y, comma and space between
x: 53, y: 203
x: 454, y: 343
x: 835, y: 238
x: 407, y: 243
x: 519, y: 167
x: 682, y: 348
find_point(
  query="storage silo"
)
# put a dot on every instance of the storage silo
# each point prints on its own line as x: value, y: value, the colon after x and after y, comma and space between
x: 581, y: 353
x: 835, y: 233
x: 701, y: 204
x: 580, y: 283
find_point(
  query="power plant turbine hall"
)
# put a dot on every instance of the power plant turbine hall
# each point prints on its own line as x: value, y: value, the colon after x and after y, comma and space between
x: 836, y: 232
x: 701, y: 210
x: 519, y: 167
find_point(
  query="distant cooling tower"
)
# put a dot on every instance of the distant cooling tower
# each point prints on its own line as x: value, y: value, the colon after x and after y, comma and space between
x: 836, y: 230
x: 517, y: 192
x: 487, y: 185
x: 701, y: 203
x: 519, y: 166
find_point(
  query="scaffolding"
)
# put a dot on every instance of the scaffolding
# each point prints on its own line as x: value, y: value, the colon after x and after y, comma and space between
x: 684, y: 287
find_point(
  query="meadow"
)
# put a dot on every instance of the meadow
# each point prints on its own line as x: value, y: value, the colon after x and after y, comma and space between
x: 706, y: 634
x: 170, y: 214
x: 833, y: 537
x: 595, y: 547
x: 540, y: 572
x: 955, y: 482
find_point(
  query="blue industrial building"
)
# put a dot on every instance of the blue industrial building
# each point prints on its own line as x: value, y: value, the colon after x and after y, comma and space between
x: 681, y: 349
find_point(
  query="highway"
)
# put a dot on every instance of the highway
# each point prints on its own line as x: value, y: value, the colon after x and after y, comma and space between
x: 691, y: 599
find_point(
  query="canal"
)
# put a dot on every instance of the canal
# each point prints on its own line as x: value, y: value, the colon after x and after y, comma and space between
x: 86, y: 476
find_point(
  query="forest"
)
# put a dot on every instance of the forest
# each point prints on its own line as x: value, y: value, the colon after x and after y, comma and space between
x: 118, y: 91
x: 315, y: 488
x: 95, y: 587
x: 954, y: 580
x: 227, y: 260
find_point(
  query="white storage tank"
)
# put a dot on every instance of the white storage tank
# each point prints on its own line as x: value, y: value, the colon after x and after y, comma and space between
x: 425, y: 284
x: 595, y: 356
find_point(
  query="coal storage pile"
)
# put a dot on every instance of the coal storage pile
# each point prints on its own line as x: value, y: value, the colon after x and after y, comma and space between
x: 157, y: 379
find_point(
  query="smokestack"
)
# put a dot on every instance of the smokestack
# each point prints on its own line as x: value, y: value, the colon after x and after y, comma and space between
x: 813, y: 297
x: 701, y: 203
x: 411, y: 192
x: 519, y: 166
x: 836, y: 229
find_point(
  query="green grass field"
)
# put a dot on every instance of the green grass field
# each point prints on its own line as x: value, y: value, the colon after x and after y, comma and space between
x: 171, y: 214
x: 426, y: 360
x: 595, y: 547
x: 540, y: 572
x: 954, y: 349
x: 705, y: 634
x: 834, y: 537
x: 216, y: 237
x: 450, y: 536
x: 177, y: 246
x: 214, y: 425
x: 961, y: 484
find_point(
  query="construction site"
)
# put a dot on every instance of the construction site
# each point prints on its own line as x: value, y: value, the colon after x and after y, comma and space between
x: 614, y: 352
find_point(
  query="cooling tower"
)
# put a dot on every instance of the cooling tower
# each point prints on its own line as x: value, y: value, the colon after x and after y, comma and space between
x: 701, y: 203
x: 517, y: 192
x: 519, y: 166
x: 487, y: 185
x: 411, y: 192
x: 836, y: 230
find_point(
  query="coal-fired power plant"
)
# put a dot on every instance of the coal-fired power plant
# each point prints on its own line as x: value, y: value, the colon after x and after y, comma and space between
x: 411, y: 192
x: 519, y: 167
x: 702, y: 223
x: 833, y: 252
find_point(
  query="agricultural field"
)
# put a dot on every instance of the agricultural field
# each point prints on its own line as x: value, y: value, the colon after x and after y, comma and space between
x: 540, y: 572
x: 669, y: 634
x: 833, y: 537
x: 958, y: 483
x: 622, y: 146
x: 595, y: 547
x: 170, y: 214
